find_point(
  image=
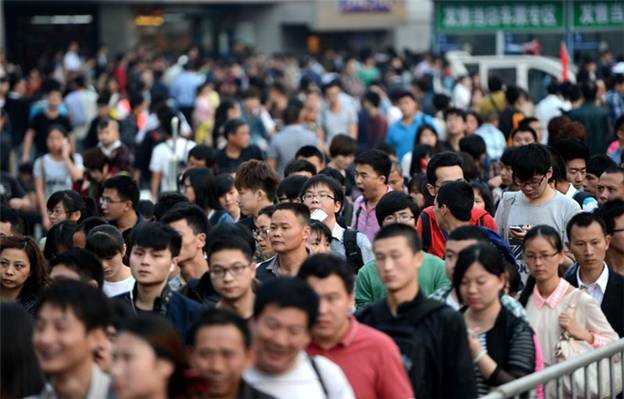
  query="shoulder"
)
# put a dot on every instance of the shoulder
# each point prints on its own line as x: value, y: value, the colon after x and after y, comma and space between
x: 362, y: 240
x: 186, y: 302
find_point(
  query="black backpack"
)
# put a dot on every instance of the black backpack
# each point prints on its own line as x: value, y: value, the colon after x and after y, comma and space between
x: 353, y: 253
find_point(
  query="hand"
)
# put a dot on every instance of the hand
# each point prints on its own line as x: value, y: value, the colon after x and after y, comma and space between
x: 25, y: 157
x: 16, y: 203
x: 473, y: 342
x: 568, y: 322
x: 518, y: 234
x: 66, y: 149
x: 45, y: 221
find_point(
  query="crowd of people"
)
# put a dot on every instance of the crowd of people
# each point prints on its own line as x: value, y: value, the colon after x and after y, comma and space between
x: 337, y: 226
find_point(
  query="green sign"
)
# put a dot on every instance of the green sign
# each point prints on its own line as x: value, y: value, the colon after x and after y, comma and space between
x: 491, y: 16
x: 598, y: 14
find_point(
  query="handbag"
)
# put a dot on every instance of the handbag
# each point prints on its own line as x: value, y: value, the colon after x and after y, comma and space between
x: 568, y: 348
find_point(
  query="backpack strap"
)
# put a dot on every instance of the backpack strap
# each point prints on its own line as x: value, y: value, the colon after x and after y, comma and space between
x: 426, y: 231
x: 318, y: 375
x: 357, y: 216
x: 353, y: 253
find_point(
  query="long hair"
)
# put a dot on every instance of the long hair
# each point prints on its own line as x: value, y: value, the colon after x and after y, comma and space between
x: 203, y: 183
x: 486, y: 255
x: 38, y: 279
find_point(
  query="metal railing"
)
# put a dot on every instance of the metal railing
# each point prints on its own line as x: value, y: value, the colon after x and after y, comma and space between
x: 553, y: 376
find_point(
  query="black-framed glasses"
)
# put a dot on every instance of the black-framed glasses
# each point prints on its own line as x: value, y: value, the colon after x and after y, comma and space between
x: 320, y: 196
x: 220, y: 272
x: 531, y: 183
x: 261, y: 234
x: 107, y: 201
x: 532, y: 258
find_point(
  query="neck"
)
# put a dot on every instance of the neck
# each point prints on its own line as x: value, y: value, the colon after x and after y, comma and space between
x: 455, y: 223
x: 56, y: 155
x: 261, y: 204
x: 74, y: 383
x: 546, y: 196
x: 330, y: 222
x: 127, y: 220
x: 403, y: 295
x: 290, y: 262
x: 10, y: 293
x: 374, y: 198
x: 615, y: 259
x: 453, y: 140
x: 194, y: 268
x: 242, y: 306
x: 408, y: 119
x: 547, y: 287
x: 232, y: 152
x: 484, y: 318
x: 123, y: 273
x: 147, y: 294
x: 235, y: 213
x: 589, y: 276
x: 329, y: 342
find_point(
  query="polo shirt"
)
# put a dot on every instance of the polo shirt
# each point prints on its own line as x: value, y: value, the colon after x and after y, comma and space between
x: 371, y: 361
x: 364, y: 219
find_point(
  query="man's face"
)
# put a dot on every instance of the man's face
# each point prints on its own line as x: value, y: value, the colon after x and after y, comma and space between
x: 453, y: 248
x: 534, y: 187
x: 288, y: 233
x: 220, y: 356
x: 231, y: 273
x: 522, y: 138
x: 321, y: 197
x: 368, y: 181
x: 446, y: 174
x: 109, y: 134
x: 407, y: 106
x: 192, y: 244
x: 240, y: 138
x: 575, y: 172
x: 589, y: 245
x: 332, y: 94
x: 113, y: 208
x: 610, y: 187
x: 61, y: 341
x: 617, y: 239
x: 590, y: 185
x: 248, y: 200
x: 395, y: 180
x: 150, y: 266
x: 280, y: 334
x: 334, y: 307
x: 55, y: 98
x: 455, y: 125
x: 397, y: 264
x: 405, y: 216
x: 195, y: 163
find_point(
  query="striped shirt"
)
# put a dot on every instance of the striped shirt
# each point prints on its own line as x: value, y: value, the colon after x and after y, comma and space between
x: 364, y: 219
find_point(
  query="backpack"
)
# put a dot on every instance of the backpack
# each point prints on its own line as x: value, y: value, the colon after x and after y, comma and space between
x: 353, y: 253
x: 580, y: 197
x: 426, y: 229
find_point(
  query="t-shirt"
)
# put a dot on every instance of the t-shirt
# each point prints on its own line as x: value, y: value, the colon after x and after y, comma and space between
x: 162, y: 155
x: 55, y: 173
x: 340, y: 122
x: 40, y: 123
x: 229, y: 165
x: 112, y: 289
x: 285, y: 144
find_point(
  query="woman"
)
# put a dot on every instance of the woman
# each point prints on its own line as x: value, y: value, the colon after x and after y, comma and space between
x: 65, y: 205
x: 483, y: 197
x: 206, y: 102
x: 548, y: 298
x: 262, y: 223
x: 198, y: 186
x: 501, y: 343
x: 19, y: 369
x: 60, y: 238
x: 149, y: 360
x: 228, y: 195
x: 426, y: 142
x: 227, y: 110
x: 23, y: 273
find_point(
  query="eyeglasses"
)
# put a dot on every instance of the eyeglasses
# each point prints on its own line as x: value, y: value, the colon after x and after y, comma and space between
x: 261, y: 234
x: 400, y: 218
x: 184, y: 187
x: 532, y: 258
x: 320, y: 196
x: 220, y: 272
x: 56, y: 212
x: 107, y: 201
x: 531, y: 183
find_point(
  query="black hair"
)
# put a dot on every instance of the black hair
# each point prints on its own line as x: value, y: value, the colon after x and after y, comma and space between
x: 486, y: 255
x: 192, y: 214
x: 204, y: 153
x: 440, y: 160
x: 20, y: 373
x: 60, y: 238
x: 401, y: 230
x: 231, y: 126
x: 469, y: 166
x: 598, y: 163
x: 234, y: 230
x: 202, y: 181
x: 494, y: 83
x: 458, y: 197
x: 8, y: 215
x: 286, y: 292
x: 507, y: 156
x: 512, y: 94
x: 455, y: 111
x: 57, y: 127
x: 342, y: 144
x: 300, y: 211
x: 422, y: 128
x: 585, y: 219
x: 308, y: 151
x: 418, y: 185
x: 146, y: 209
x: 553, y: 87
x: 291, y: 113
x: 299, y: 165
x: 89, y: 304
x: 229, y: 243
x: 267, y: 210
x: 94, y: 159
x: 330, y: 84
x: 530, y: 160
x: 325, y: 265
x: 559, y: 168
x: 614, y: 170
x: 386, y: 148
x: 325, y: 180
x: 522, y: 128
x: 71, y: 201
x: 221, y: 317
x: 372, y: 98
x: 320, y: 228
x: 105, y: 241
x: 486, y: 194
x: 473, y: 145
x: 290, y: 188
x: 223, y: 183
x: 404, y: 93
x: 514, y: 281
x: 571, y: 149
x: 609, y: 211
x: 468, y: 233
x: 419, y: 153
x: 392, y: 202
x: 158, y: 236
x: 166, y: 201
x: 589, y: 89
x: 257, y: 175
x: 126, y: 188
x: 376, y: 159
x: 86, y: 264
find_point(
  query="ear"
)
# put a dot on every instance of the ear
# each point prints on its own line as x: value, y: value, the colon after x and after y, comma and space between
x: 174, y: 263
x: 337, y: 206
x: 123, y: 252
x: 201, y: 240
x: 94, y: 338
x: 253, y: 270
x: 306, y: 232
x: 164, y: 367
x: 418, y: 258
x: 432, y: 190
x: 74, y: 216
x: 549, y: 173
x: 608, y: 240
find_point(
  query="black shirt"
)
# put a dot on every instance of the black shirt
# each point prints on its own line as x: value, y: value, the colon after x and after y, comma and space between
x: 229, y: 165
x: 40, y: 124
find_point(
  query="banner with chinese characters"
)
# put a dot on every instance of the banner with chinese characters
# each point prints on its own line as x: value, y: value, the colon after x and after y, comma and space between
x: 598, y: 14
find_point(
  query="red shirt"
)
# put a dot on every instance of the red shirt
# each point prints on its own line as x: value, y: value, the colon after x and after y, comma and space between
x: 437, y: 237
x: 371, y: 361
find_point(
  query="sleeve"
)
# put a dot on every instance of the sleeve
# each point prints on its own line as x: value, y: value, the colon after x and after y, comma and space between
x: 157, y: 160
x: 501, y: 211
x: 457, y: 360
x: 37, y: 167
x: 596, y: 322
x: 419, y: 226
x: 440, y: 279
x: 363, y: 288
x: 272, y: 152
x: 489, y: 222
x: 572, y: 208
x: 391, y: 380
x: 521, y: 351
x: 365, y: 247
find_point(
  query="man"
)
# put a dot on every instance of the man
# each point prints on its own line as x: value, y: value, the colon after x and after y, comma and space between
x: 220, y: 352
x: 119, y: 200
x: 615, y: 99
x: 120, y: 159
x: 588, y: 241
x: 338, y: 115
x: 237, y: 150
x: 251, y: 113
x: 443, y: 168
x: 370, y: 359
x: 611, y: 185
x: 372, y: 123
x: 232, y: 272
x: 323, y: 193
x: 495, y: 101
x: 401, y: 133
x: 81, y: 106
x: 594, y: 118
x: 455, y: 120
x: 431, y: 336
x: 571, y: 173
x: 575, y: 154
x: 612, y: 213
x: 154, y: 253
x: 551, y: 106
x: 596, y: 166
x: 397, y: 207
x: 289, y: 233
x: 78, y: 264
x: 70, y: 325
x: 523, y: 135
x: 395, y: 178
x: 492, y: 136
x: 9, y: 222
x: 257, y: 185
x: 202, y: 156
x: 184, y: 88
x: 313, y: 155
x: 372, y: 169
x: 285, y: 311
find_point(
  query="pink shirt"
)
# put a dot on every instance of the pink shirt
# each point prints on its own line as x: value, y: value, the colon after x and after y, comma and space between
x: 371, y: 361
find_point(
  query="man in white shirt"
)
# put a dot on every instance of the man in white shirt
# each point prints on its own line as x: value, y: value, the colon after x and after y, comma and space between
x: 551, y: 106
x: 284, y: 313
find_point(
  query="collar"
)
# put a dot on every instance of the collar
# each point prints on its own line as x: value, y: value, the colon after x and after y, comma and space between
x: 348, y: 338
x: 406, y: 307
x: 361, y: 202
x: 273, y: 265
x: 160, y: 303
x: 108, y: 150
x: 338, y: 232
x: 571, y: 191
x: 554, y: 299
x: 600, y: 282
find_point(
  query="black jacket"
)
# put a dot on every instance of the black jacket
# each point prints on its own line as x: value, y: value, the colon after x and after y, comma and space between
x: 433, y: 343
x: 201, y: 290
x: 613, y: 301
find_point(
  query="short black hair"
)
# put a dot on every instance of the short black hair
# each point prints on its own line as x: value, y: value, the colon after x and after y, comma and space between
x: 90, y: 223
x: 285, y: 292
x: 530, y: 160
x: 308, y: 151
x: 105, y: 241
x: 71, y: 201
x: 376, y: 159
x: 290, y: 187
x: 166, y: 201
x: 318, y: 227
x: 8, y: 215
x: 571, y: 149
x: 458, y: 197
x: 202, y: 181
x: 158, y: 236
x: 455, y: 111
x: 94, y: 159
x: 325, y: 265
x: 325, y: 180
x: 494, y: 83
x: 86, y: 264
x: 404, y: 93
x: 223, y: 183
x: 330, y: 84
x: 291, y: 113
x: 401, y: 230
x: 392, y: 202
x: 507, y: 157
x: 89, y: 304
x: 342, y: 144
x: 468, y: 233
x: 60, y: 238
x: 372, y: 98
x: 598, y: 163
x: 609, y: 211
x: 194, y: 216
x: 441, y: 160
x: 231, y: 126
x: 473, y: 145
x: 299, y: 210
x: 220, y: 317
x: 229, y: 243
x: 585, y: 219
x: 486, y: 195
x: 237, y: 230
x: 204, y: 153
x: 522, y: 128
x: 126, y: 188
x: 299, y: 165
x: 612, y: 170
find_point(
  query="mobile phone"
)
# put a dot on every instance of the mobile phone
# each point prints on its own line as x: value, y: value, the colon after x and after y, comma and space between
x: 518, y: 227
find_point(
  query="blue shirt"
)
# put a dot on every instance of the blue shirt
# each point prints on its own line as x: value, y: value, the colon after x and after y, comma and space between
x: 401, y: 136
x: 184, y: 88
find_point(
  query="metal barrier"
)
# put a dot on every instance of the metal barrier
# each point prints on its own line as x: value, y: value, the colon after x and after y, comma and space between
x: 556, y: 373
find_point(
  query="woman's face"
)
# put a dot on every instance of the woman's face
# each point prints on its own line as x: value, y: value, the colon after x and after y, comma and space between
x: 55, y: 141
x: 479, y: 288
x: 188, y: 191
x: 229, y: 200
x: 428, y: 137
x: 14, y: 269
x: 263, y: 224
x: 542, y: 259
x: 57, y: 214
x: 478, y: 200
x: 471, y: 124
x: 136, y: 371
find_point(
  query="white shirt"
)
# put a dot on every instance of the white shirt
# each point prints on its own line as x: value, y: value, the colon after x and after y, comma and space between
x: 598, y: 287
x: 302, y: 382
x: 112, y: 289
x: 162, y: 155
x: 547, y: 109
x: 361, y: 240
